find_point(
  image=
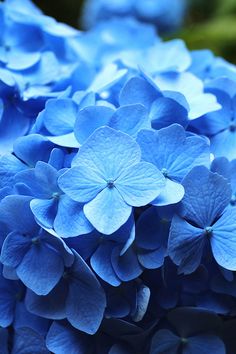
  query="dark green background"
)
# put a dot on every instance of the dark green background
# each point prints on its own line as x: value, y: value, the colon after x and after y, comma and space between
x: 209, y: 23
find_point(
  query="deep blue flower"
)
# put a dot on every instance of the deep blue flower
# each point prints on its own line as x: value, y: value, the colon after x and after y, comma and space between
x: 203, y: 218
x: 50, y: 206
x: 175, y: 154
x: 110, y: 256
x: 109, y: 178
x: 78, y: 297
x: 30, y: 250
x: 193, y: 332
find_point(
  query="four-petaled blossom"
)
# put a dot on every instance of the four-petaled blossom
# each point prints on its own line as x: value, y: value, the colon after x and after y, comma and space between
x: 108, y: 176
x: 203, y: 218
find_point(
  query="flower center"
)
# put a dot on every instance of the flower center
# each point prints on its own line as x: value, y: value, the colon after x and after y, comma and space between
x: 232, y: 127
x: 165, y: 172
x: 233, y: 200
x: 55, y: 195
x: 208, y: 230
x: 110, y: 184
x: 35, y: 240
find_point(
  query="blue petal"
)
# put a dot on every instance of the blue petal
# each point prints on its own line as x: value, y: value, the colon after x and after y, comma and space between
x: 27, y: 341
x: 130, y: 119
x: 66, y: 140
x: 9, y: 167
x: 21, y: 61
x: 185, y: 245
x: 7, y: 302
x: 143, y: 297
x: 62, y: 338
x: 223, y: 241
x: 192, y: 88
x: 172, y: 193
x: 59, y: 116
x: 214, y: 122
x: 44, y: 211
x: 101, y: 264
x: 151, y: 230
x: 86, y: 299
x: 170, y: 56
x: 109, y: 152
x: 34, y: 269
x: 89, y: 119
x: 166, y: 111
x: 51, y: 306
x: 14, y: 249
x: 13, y: 124
x: 70, y: 220
x: 139, y: 90
x: 172, y: 151
x: 33, y: 148
x: 206, y: 196
x: 126, y: 266
x: 107, y: 77
x: 205, y: 343
x: 152, y: 259
x: 9, y: 214
x: 224, y: 144
x: 164, y: 341
x: 23, y: 318
x: 82, y: 183
x: 108, y: 211
x: 140, y: 184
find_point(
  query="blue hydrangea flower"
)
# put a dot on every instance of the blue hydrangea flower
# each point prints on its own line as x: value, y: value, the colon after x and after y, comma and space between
x: 193, y: 331
x: 164, y: 108
x: 203, y: 218
x: 78, y: 297
x: 109, y: 178
x: 113, y: 251
x: 51, y: 208
x: 175, y: 154
x: 29, y: 250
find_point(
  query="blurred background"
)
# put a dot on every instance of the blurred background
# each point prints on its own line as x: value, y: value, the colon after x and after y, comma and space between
x: 208, y: 23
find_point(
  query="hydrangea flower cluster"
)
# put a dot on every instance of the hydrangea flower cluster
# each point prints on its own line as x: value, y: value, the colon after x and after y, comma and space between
x: 117, y: 190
